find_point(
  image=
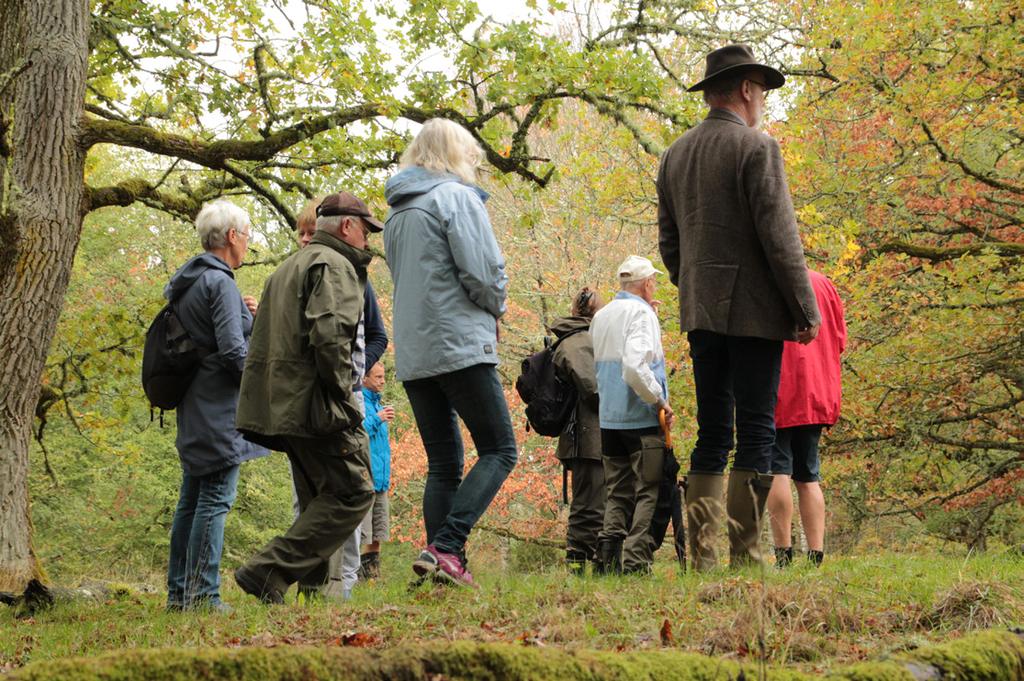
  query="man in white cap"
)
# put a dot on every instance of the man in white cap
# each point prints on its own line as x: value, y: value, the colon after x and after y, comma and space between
x: 633, y: 390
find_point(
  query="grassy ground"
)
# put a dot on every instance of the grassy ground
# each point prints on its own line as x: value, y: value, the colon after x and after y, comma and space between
x: 814, y: 619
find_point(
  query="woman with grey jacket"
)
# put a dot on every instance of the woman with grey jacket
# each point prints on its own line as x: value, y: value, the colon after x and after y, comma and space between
x: 212, y: 310
x: 450, y: 288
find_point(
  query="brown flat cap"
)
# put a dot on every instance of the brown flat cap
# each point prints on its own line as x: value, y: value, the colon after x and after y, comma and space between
x: 344, y: 203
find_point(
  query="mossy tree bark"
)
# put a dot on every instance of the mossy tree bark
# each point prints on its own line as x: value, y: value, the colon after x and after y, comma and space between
x: 43, y: 52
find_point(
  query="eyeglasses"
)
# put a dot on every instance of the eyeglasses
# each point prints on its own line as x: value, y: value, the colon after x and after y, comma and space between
x: 763, y: 86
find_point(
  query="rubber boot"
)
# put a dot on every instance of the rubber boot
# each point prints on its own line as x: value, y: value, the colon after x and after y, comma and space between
x: 704, y: 514
x: 576, y: 561
x: 609, y: 556
x: 615, y: 566
x: 746, y: 499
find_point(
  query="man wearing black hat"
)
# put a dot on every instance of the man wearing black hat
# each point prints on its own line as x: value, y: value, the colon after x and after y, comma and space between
x: 297, y: 396
x: 729, y: 239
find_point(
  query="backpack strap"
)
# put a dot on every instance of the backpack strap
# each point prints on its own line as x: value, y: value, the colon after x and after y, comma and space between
x: 559, y: 341
x: 172, y: 303
x: 551, y: 347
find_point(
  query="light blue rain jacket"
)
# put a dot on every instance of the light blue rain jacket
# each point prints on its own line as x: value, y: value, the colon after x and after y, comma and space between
x: 448, y: 271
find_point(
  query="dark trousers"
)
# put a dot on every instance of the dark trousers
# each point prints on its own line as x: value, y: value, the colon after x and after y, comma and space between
x: 737, y: 384
x: 633, y: 465
x: 335, y: 491
x: 586, y: 512
x: 452, y: 505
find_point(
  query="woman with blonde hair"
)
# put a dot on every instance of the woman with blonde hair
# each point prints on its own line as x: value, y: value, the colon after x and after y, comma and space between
x: 450, y: 289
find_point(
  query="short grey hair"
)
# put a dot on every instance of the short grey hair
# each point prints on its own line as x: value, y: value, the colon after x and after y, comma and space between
x: 216, y: 219
x: 330, y: 223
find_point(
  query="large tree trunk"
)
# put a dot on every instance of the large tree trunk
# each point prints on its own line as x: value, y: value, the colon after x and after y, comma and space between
x: 44, y: 46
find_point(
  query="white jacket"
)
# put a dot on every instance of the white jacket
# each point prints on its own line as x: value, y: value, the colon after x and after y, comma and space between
x: 630, y: 363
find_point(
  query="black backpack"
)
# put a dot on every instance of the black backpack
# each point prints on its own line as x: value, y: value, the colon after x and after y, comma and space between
x: 550, y: 401
x: 170, y: 360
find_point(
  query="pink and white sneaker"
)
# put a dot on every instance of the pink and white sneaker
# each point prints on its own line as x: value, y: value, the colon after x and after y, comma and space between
x: 447, y: 568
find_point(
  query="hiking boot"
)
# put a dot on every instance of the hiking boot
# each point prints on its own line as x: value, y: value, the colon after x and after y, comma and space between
x: 816, y: 557
x: 783, y: 556
x: 576, y: 561
x: 745, y: 501
x: 369, y: 566
x: 213, y: 607
x: 704, y: 513
x: 254, y: 584
x: 450, y: 568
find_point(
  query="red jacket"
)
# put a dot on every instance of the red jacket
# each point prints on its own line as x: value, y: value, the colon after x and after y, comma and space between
x: 810, y: 390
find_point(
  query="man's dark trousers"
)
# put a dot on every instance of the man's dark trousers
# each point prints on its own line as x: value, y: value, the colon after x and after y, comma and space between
x: 335, y: 491
x: 737, y: 385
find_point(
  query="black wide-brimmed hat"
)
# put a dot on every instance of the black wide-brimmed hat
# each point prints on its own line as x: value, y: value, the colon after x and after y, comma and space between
x: 733, y: 59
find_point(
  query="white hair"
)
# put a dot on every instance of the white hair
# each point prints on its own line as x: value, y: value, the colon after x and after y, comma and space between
x: 445, y: 147
x: 636, y: 284
x: 216, y: 219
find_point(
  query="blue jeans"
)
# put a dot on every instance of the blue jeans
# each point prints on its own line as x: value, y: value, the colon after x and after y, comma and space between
x: 197, y: 537
x: 452, y: 505
x: 737, y: 384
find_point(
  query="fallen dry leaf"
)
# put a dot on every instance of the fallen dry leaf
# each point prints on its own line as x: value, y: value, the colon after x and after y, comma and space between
x: 358, y: 640
x: 265, y: 640
x: 666, y: 633
x: 528, y: 639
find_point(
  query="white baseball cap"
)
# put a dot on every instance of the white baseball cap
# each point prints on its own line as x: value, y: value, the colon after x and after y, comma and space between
x: 636, y: 268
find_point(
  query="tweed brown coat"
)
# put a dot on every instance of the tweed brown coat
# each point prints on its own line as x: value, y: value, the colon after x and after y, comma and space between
x: 728, y: 233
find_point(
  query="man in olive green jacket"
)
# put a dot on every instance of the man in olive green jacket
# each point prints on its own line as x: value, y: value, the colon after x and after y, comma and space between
x: 296, y: 396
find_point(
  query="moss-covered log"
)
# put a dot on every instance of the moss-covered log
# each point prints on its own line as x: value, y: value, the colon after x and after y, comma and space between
x: 986, y: 656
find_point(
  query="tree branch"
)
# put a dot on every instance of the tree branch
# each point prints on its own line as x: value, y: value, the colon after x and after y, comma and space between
x: 993, y: 182
x: 619, y: 116
x: 261, y: 191
x: 978, y: 444
x: 1006, y: 249
x: 217, y: 153
x: 185, y: 206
